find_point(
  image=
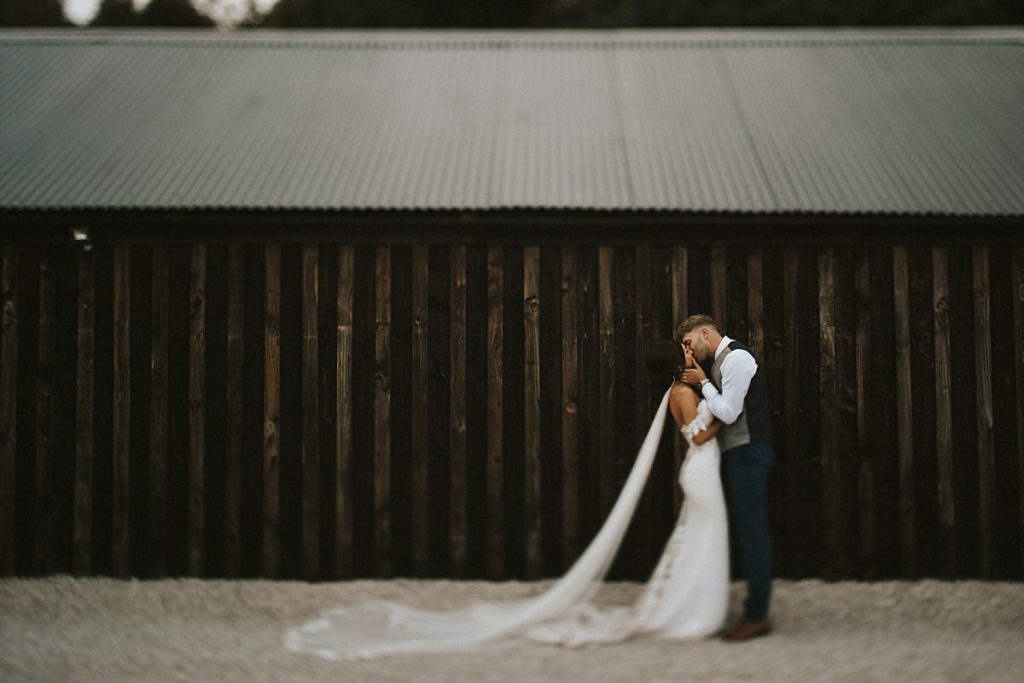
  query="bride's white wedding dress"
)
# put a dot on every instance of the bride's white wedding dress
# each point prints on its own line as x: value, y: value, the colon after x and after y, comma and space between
x: 686, y: 596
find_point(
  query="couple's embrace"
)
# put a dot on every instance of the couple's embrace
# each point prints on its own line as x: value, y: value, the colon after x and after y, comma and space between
x: 718, y: 399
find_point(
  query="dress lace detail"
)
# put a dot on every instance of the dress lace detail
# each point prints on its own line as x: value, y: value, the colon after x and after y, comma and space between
x: 698, y: 424
x: 685, y: 597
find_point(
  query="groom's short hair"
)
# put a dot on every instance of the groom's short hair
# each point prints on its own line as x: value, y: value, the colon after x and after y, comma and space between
x: 695, y: 321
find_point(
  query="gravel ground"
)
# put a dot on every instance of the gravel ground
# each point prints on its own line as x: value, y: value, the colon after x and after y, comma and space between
x: 64, y: 628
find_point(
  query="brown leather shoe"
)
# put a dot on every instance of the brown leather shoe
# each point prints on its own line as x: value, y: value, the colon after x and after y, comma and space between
x: 745, y: 630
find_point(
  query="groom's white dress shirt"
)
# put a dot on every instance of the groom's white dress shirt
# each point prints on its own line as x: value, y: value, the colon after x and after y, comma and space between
x: 738, y: 369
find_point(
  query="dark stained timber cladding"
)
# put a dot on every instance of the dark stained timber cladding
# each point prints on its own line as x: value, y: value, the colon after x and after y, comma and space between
x: 42, y: 422
x: 214, y: 485
x: 626, y: 564
x: 1007, y: 537
x: 964, y: 392
x: 699, y: 279
x: 61, y: 465
x: 866, y: 484
x: 364, y: 261
x: 513, y: 369
x: 846, y: 420
x: 439, y: 431
x: 476, y: 409
x: 737, y: 320
x: 551, y: 408
x: 922, y: 363
x: 141, y: 341
x: 8, y: 379
x: 102, y: 474
x: 327, y: 354
x: 773, y: 358
x: 401, y: 409
x: 881, y: 401
x: 589, y: 383
x: 179, y: 265
x: 291, y: 411
x: 28, y: 356
x: 809, y: 460
x: 60, y: 468
x: 663, y: 473
x: 251, y: 467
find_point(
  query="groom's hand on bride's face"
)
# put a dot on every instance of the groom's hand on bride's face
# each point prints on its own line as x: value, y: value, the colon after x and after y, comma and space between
x: 694, y: 375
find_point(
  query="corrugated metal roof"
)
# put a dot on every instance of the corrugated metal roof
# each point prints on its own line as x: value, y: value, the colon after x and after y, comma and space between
x: 767, y: 122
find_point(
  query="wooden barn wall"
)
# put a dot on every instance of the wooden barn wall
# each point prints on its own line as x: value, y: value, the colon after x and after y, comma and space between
x: 326, y: 411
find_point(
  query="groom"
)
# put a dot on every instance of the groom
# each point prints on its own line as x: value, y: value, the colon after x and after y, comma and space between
x: 737, y: 395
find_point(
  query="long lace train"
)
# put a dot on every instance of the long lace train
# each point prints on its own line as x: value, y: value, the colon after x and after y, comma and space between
x: 372, y: 629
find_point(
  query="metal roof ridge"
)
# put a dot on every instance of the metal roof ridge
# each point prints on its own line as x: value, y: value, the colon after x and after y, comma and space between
x: 483, y: 38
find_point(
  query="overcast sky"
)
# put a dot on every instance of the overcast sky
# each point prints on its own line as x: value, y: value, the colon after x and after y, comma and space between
x: 81, y: 11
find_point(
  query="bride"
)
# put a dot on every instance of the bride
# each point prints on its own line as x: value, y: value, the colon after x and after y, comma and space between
x: 686, y: 596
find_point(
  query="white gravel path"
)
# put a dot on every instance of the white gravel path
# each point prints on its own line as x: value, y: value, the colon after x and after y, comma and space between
x: 64, y: 628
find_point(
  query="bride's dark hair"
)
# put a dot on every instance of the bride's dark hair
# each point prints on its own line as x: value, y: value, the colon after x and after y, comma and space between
x: 666, y: 360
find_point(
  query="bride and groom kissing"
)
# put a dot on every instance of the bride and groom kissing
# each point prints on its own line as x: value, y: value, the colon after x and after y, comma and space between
x: 720, y: 377
x: 718, y: 399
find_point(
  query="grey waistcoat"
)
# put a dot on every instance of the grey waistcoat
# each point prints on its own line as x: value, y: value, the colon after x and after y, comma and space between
x: 754, y: 422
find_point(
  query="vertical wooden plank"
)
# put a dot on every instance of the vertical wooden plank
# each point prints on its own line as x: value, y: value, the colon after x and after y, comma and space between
x: 570, y: 409
x: 1018, y: 330
x: 400, y: 369
x: 439, y: 393
x: 983, y: 378
x: 718, y: 285
x: 121, y: 454
x: 606, y: 330
x: 755, y: 301
x: 642, y: 411
x: 774, y: 361
x: 531, y: 409
x: 865, y: 474
x: 495, y: 348
x: 836, y: 564
x: 927, y: 558
x: 158, y: 432
x: 904, y: 412
x: 272, y: 413
x: 588, y: 402
x: 420, y: 413
x: 8, y: 407
x: 680, y: 309
x: 343, y: 494
x: 82, y: 551
x: 457, y: 410
x: 382, y: 415
x: 43, y: 538
x: 943, y: 404
x: 197, y: 408
x: 310, y: 414
x: 233, y: 417
x: 792, y: 436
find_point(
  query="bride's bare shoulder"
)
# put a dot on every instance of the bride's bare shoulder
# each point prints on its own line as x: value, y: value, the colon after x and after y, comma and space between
x: 683, y: 401
x: 683, y: 392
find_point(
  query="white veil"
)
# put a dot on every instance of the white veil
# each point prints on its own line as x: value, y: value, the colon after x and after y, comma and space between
x: 373, y: 629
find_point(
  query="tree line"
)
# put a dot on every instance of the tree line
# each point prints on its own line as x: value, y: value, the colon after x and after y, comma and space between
x: 532, y: 13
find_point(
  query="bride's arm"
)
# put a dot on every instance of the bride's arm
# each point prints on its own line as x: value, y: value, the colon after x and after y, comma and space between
x: 683, y: 404
x: 706, y: 435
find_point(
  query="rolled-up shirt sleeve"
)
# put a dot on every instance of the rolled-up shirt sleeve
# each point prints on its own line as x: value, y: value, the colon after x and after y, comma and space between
x: 738, y: 369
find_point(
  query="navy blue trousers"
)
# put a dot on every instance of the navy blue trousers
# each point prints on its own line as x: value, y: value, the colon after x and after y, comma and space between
x: 747, y: 469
